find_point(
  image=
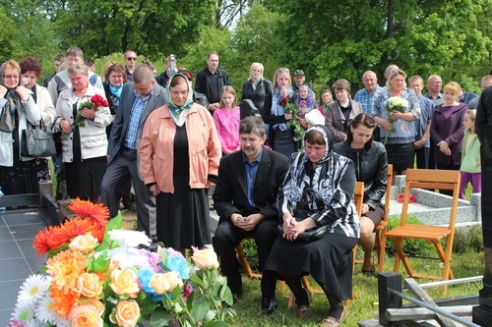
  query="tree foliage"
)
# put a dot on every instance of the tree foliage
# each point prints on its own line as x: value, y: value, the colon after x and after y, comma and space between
x: 153, y: 27
x: 333, y: 39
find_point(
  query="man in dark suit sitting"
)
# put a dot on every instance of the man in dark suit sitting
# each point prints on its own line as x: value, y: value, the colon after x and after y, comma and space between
x: 244, y: 198
x: 138, y: 99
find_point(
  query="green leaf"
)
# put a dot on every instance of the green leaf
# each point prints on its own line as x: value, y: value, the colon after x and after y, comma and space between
x: 160, y: 317
x: 215, y: 324
x: 114, y: 223
x: 199, y: 311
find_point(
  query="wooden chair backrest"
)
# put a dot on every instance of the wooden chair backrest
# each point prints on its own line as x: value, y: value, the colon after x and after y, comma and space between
x: 432, y: 179
x: 387, y: 196
x: 359, y: 196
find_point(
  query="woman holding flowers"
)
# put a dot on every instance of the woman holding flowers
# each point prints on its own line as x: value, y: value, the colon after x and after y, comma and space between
x: 179, y: 160
x: 283, y: 123
x: 395, y: 109
x: 82, y: 116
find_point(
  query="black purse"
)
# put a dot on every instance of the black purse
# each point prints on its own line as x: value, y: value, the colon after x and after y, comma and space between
x: 304, y: 209
x: 37, y: 141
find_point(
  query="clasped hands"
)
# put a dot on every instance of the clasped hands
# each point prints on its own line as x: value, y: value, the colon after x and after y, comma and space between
x: 444, y: 148
x: 247, y: 223
x: 292, y: 227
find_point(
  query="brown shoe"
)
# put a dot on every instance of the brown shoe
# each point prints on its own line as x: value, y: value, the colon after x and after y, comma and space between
x: 304, y: 311
x: 333, y: 322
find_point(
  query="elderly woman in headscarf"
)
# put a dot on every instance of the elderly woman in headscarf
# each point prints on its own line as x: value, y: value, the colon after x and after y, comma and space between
x: 324, y: 181
x: 19, y: 174
x: 179, y: 159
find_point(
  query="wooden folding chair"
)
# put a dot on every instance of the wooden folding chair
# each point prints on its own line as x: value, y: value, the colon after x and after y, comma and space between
x: 380, y: 240
x: 244, y: 260
x: 359, y: 200
x: 427, y: 179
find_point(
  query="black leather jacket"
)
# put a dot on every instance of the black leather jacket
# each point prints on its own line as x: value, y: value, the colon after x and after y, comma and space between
x: 371, y: 167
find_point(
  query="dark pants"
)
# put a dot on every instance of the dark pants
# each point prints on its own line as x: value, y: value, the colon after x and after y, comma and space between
x: 227, y: 237
x: 422, y: 156
x: 121, y: 169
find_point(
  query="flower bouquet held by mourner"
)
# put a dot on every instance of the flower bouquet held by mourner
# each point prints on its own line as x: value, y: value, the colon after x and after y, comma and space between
x: 95, y: 103
x: 394, y: 104
x: 98, y: 274
x: 290, y: 108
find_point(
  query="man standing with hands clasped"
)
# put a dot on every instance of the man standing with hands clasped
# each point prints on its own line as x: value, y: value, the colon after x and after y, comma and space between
x: 244, y: 197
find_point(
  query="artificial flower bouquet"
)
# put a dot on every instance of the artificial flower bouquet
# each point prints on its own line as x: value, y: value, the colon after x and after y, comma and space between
x: 394, y: 104
x: 98, y: 274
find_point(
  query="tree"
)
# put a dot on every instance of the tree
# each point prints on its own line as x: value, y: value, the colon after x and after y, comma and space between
x: 150, y: 27
x: 332, y: 39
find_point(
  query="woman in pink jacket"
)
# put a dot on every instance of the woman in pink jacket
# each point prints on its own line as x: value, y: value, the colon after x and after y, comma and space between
x: 179, y: 159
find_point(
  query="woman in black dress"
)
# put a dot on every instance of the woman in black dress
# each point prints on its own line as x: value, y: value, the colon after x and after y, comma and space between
x: 179, y: 159
x: 331, y: 178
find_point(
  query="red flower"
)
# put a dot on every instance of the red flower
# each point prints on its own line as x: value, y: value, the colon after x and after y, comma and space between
x: 99, y: 101
x: 400, y: 197
x: 283, y: 101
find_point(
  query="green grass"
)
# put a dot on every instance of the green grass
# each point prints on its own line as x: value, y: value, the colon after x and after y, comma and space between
x: 365, y: 291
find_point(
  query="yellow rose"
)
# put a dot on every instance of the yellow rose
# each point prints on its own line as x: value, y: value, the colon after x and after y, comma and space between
x: 127, y: 313
x: 84, y: 243
x: 85, y: 316
x: 165, y: 283
x: 88, y: 285
x: 205, y: 259
x: 124, y: 282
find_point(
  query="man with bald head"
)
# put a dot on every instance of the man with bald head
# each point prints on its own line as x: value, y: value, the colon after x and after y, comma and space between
x: 434, y: 85
x: 391, y: 68
x: 366, y: 95
x: 485, y: 82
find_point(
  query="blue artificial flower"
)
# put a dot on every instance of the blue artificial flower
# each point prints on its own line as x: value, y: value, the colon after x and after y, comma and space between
x: 144, y: 275
x: 179, y: 265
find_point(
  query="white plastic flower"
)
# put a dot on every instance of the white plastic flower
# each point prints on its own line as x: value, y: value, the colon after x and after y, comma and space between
x: 33, y: 288
x: 24, y: 312
x: 45, y: 310
x: 130, y: 238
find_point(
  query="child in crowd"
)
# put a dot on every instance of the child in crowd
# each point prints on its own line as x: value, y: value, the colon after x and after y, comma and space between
x: 470, y: 156
x: 227, y: 120
x: 326, y: 100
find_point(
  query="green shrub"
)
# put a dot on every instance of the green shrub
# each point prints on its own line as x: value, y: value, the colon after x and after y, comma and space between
x: 460, y: 242
x: 411, y: 247
x: 474, y: 238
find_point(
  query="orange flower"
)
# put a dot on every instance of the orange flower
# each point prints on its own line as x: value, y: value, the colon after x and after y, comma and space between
x: 64, y: 301
x: 127, y: 313
x: 65, y: 268
x: 86, y: 209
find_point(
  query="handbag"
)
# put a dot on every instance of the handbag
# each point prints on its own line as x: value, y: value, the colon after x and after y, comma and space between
x: 37, y: 141
x: 309, y: 199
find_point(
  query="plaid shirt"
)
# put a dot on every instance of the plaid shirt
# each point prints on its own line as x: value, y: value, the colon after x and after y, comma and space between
x: 135, y: 116
x: 366, y: 99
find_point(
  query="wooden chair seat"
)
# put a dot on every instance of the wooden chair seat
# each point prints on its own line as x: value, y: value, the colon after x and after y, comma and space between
x: 423, y: 232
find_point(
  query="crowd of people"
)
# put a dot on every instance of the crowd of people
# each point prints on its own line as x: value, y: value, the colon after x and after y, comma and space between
x: 174, y: 144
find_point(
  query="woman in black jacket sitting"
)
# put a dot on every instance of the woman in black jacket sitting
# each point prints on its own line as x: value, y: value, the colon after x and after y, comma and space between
x: 371, y: 164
